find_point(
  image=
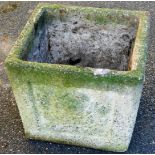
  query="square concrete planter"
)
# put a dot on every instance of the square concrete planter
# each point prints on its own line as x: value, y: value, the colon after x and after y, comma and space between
x: 85, y: 106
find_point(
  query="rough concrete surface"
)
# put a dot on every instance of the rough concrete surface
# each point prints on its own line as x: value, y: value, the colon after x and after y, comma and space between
x: 12, y: 140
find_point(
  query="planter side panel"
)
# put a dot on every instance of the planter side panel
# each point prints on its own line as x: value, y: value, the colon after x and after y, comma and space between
x: 99, y: 118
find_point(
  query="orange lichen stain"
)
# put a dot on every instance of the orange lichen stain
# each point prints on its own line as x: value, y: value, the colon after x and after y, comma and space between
x: 8, y: 7
x: 5, y: 43
x: 4, y: 37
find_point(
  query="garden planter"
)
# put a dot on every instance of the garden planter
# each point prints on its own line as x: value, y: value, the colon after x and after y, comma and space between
x: 69, y: 92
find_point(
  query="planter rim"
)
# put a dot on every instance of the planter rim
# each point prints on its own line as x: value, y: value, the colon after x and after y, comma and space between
x: 138, y: 58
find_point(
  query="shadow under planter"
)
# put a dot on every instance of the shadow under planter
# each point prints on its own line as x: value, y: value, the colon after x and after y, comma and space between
x: 77, y: 74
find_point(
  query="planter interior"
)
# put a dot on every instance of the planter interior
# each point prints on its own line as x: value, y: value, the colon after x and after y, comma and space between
x: 77, y: 74
x: 83, y: 39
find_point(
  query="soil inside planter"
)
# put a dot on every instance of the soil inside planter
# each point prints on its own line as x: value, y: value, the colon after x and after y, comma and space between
x: 76, y: 41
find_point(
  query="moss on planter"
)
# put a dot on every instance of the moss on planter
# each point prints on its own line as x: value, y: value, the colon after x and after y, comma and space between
x: 55, y: 99
x: 135, y: 75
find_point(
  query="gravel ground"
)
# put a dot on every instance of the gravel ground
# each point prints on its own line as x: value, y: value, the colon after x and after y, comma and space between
x: 12, y: 140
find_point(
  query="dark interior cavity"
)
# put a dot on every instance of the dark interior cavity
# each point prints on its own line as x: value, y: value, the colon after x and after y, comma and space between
x: 80, y: 42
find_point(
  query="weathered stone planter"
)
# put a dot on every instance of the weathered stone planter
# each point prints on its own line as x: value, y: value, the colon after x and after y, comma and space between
x: 86, y: 106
